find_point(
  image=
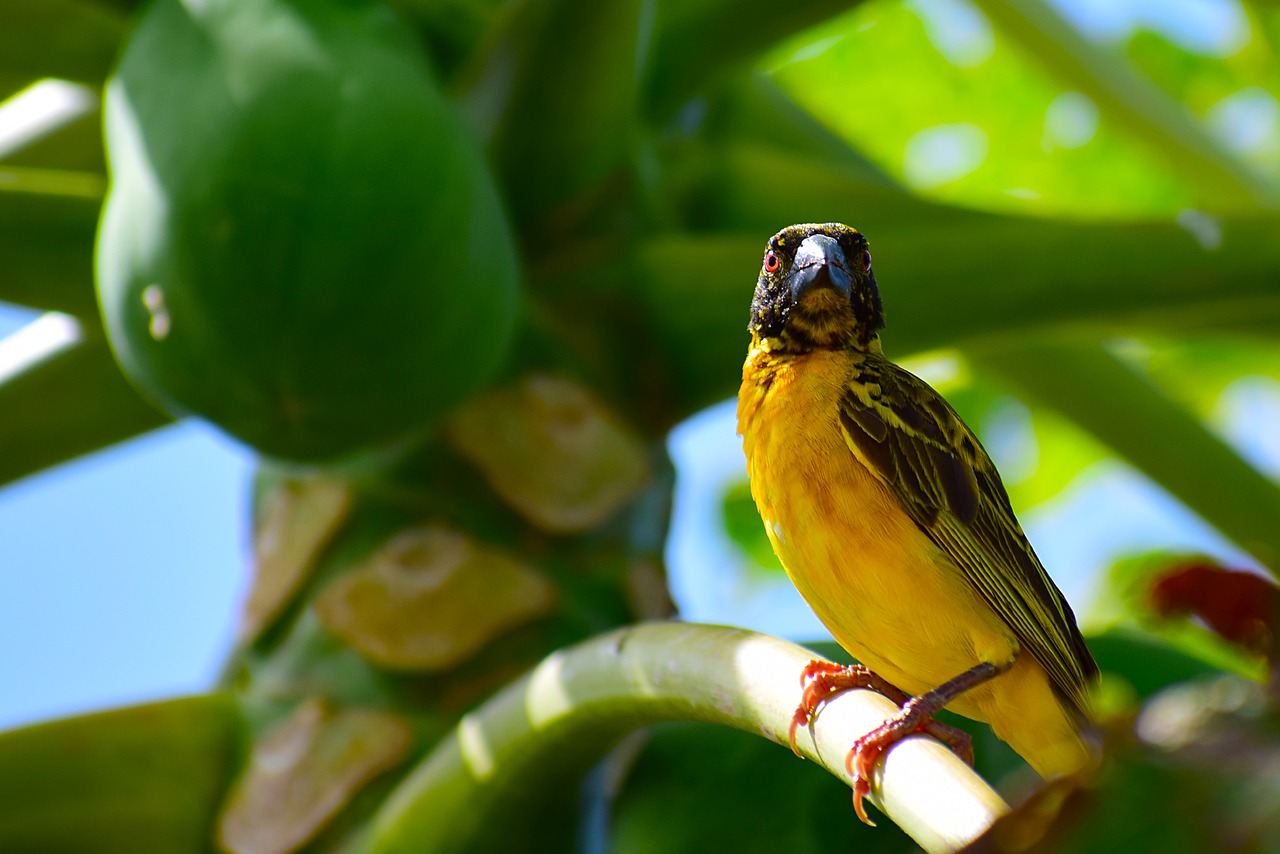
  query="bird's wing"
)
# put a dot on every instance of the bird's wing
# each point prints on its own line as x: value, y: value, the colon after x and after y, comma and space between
x: 911, y: 439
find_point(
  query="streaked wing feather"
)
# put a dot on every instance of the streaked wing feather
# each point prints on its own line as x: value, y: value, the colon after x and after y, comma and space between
x: 911, y: 439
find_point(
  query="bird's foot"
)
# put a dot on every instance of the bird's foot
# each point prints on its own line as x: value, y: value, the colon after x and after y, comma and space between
x: 916, y: 716
x: 823, y: 680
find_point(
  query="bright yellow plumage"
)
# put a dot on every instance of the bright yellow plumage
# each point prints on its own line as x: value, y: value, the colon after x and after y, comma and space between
x: 882, y: 588
x: 887, y: 514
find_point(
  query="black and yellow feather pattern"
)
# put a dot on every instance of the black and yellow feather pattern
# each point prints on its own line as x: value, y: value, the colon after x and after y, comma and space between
x: 911, y: 439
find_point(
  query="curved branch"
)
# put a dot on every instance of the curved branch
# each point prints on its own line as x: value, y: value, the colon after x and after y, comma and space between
x: 587, y: 696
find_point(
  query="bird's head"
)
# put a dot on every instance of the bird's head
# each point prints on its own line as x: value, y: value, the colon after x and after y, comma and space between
x: 816, y: 291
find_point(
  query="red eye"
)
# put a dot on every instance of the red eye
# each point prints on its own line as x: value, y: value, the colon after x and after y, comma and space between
x: 771, y: 263
x: 866, y: 260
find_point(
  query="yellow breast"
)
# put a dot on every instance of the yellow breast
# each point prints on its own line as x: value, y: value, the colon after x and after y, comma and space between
x: 885, y: 591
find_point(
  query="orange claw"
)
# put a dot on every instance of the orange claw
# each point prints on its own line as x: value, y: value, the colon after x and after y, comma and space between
x: 823, y: 680
x: 916, y: 716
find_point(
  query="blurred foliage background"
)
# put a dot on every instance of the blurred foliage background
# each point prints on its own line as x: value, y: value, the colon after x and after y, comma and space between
x: 457, y: 268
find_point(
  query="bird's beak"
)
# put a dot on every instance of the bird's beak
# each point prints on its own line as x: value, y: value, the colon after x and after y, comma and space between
x: 819, y: 262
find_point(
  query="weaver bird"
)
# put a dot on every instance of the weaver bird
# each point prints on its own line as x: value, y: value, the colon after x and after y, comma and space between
x: 891, y: 520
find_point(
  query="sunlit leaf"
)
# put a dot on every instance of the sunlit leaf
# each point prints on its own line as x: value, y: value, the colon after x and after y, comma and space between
x: 977, y: 120
x: 1132, y: 102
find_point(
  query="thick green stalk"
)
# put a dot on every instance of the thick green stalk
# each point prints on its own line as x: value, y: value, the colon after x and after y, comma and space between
x: 581, y: 700
x: 68, y: 398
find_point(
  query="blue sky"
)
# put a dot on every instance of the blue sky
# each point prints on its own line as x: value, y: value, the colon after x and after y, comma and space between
x: 121, y: 573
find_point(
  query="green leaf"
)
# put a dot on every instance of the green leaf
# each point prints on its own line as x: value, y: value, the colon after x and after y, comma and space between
x: 59, y: 38
x: 146, y: 778
x: 1134, y: 103
x: 1104, y: 396
x: 977, y: 121
x: 46, y: 239
x: 70, y: 403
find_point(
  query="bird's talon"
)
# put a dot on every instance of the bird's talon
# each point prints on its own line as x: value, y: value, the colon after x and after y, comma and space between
x: 861, y: 788
x: 801, y: 717
x: 817, y: 667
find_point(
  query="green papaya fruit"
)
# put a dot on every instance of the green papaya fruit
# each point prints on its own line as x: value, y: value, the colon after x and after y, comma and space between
x: 301, y: 242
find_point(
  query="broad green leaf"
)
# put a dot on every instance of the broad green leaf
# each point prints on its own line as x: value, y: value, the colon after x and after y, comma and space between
x: 1154, y: 433
x: 147, y: 778
x: 59, y: 38
x: 46, y: 239
x: 947, y: 274
x: 70, y: 403
x: 976, y: 121
x: 1134, y: 103
x: 1223, y: 90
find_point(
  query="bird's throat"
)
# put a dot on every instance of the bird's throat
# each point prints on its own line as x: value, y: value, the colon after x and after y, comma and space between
x: 821, y: 320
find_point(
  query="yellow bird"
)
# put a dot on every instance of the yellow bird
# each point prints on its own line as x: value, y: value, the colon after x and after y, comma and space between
x: 891, y: 520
